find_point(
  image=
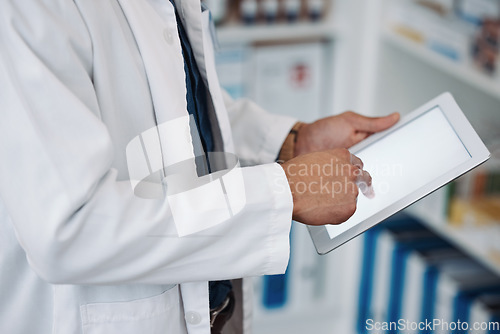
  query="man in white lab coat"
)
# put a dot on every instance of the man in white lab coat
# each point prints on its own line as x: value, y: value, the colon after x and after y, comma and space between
x: 80, y: 252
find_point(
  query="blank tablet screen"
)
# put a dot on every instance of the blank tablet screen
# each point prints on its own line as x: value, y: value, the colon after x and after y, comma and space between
x: 405, y: 160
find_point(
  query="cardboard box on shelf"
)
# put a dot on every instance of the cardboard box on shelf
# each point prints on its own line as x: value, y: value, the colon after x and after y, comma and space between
x: 485, y: 310
x: 479, y: 213
x: 486, y: 47
x: 442, y: 7
x: 445, y: 35
x: 476, y: 11
x: 411, y: 274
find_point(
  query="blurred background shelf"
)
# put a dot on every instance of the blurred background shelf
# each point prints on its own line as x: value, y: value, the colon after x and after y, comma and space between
x: 248, y: 34
x: 464, y: 73
x: 353, y: 59
x: 460, y: 238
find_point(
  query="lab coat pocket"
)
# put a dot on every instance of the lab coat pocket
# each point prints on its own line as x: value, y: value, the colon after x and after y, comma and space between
x: 153, y: 315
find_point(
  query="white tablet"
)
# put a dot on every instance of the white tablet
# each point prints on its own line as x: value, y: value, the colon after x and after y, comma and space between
x: 428, y: 148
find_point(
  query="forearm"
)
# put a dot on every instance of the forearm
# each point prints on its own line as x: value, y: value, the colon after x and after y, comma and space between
x: 258, y: 135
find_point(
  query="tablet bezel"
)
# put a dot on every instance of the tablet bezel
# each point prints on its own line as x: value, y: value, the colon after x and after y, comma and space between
x: 465, y: 132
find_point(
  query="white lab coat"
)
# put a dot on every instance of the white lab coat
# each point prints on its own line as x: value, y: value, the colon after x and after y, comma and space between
x: 79, y: 253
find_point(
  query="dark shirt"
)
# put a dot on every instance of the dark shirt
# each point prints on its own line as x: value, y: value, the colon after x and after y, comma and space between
x: 196, y: 97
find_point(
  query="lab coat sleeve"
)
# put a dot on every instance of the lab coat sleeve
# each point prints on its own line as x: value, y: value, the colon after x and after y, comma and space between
x: 258, y: 135
x: 76, y: 222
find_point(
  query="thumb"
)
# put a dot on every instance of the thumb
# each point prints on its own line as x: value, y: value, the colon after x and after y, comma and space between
x: 373, y: 124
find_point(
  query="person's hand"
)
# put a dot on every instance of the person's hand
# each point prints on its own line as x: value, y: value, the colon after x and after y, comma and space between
x: 324, y: 186
x: 341, y: 131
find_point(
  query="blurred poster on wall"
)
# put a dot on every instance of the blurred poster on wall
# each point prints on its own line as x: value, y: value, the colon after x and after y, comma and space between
x: 287, y: 79
x: 231, y: 63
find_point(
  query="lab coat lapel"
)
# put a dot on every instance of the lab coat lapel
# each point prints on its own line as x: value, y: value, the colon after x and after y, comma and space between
x: 161, y: 52
x: 190, y: 15
x: 197, y: 25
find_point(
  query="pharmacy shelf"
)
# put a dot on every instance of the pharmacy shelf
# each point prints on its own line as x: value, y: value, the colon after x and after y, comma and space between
x: 248, y: 34
x: 458, y: 238
x: 466, y: 74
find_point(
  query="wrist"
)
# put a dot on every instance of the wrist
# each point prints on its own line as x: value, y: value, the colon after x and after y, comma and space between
x: 302, y: 145
x: 289, y: 176
x: 288, y: 149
